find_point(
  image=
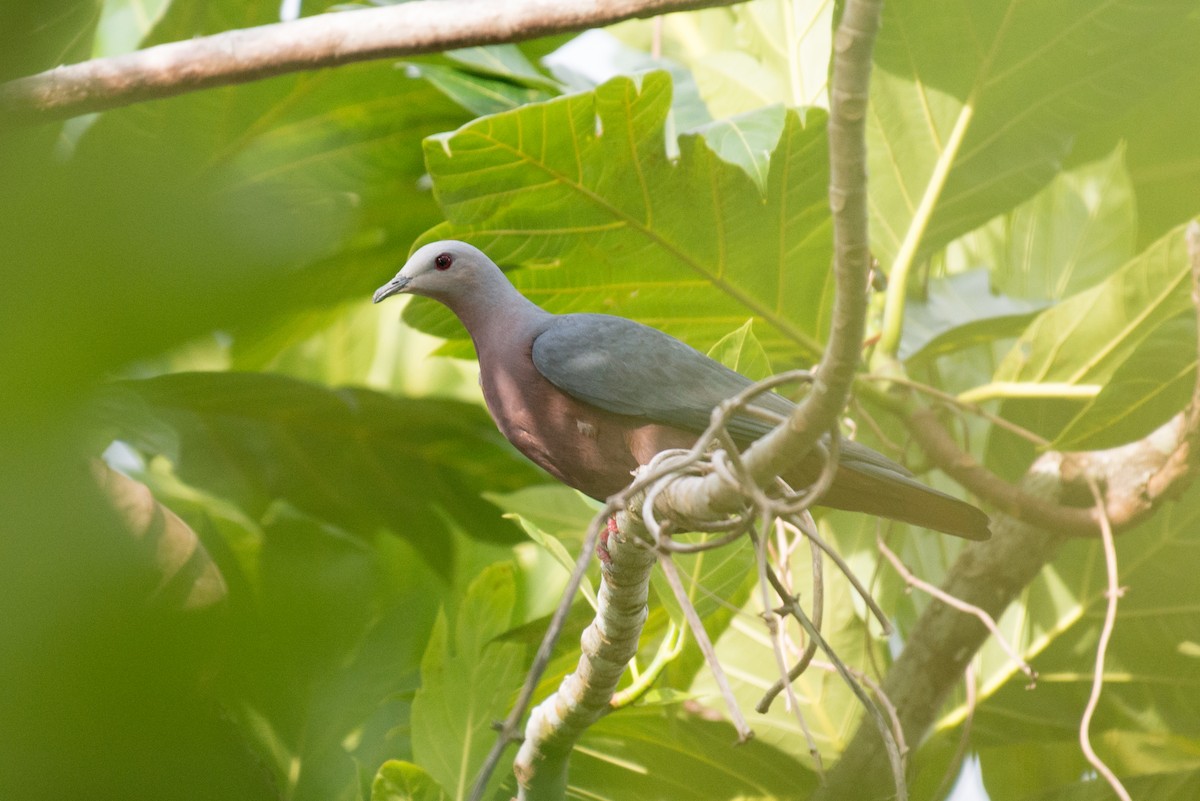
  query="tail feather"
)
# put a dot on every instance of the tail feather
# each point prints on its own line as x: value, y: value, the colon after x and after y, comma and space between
x: 875, y: 490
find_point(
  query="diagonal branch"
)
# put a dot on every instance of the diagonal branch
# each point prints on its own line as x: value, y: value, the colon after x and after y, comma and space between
x: 326, y: 40
x: 1137, y: 478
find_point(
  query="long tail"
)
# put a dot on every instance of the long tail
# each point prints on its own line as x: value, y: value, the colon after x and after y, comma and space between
x: 869, y: 482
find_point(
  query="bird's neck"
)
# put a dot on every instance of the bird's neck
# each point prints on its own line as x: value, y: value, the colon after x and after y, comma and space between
x: 498, y: 313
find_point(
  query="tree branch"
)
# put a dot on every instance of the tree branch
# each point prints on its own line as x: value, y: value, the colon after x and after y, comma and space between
x: 710, y: 496
x: 988, y: 575
x: 326, y: 40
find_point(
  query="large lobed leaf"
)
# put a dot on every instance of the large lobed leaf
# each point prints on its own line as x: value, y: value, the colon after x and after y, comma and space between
x: 355, y: 458
x: 1084, y: 339
x: 975, y: 105
x: 581, y: 191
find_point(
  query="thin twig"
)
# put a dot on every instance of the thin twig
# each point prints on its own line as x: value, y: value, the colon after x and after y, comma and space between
x: 1113, y: 592
x: 954, y: 400
x: 810, y: 649
x: 775, y: 627
x: 810, y: 530
x: 956, y: 603
x: 706, y: 647
x: 895, y: 757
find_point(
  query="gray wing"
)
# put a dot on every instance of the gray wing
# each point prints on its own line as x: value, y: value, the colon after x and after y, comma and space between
x: 628, y: 368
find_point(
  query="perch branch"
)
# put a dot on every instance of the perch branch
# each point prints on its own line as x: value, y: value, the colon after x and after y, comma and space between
x: 325, y: 40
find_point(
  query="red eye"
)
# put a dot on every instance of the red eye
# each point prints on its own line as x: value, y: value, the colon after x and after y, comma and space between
x: 443, y: 261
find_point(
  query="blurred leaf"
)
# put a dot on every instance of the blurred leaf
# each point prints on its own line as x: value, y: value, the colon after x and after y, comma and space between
x: 652, y: 752
x: 548, y: 186
x: 94, y: 675
x: 190, y: 578
x: 327, y: 162
x: 42, y: 35
x: 959, y: 312
x: 404, y: 781
x: 124, y: 24
x: 359, y: 459
x: 1150, y: 387
x: 1068, y: 237
x: 1084, y: 339
x: 1183, y: 786
x: 748, y: 55
x: 963, y: 126
x: 1161, y: 153
x: 467, y: 683
x: 329, y: 638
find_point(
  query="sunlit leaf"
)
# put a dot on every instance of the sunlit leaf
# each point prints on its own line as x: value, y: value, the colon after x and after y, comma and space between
x: 581, y: 191
x: 1086, y: 337
x: 740, y: 350
x: 1154, y: 384
x: 960, y: 132
x: 657, y: 753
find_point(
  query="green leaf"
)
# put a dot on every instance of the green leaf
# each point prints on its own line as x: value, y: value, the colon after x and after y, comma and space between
x: 45, y: 35
x: 747, y: 140
x: 1153, y: 385
x: 404, y: 781
x: 746, y: 652
x: 487, y: 80
x: 1182, y: 786
x: 478, y: 94
x: 749, y: 55
x: 467, y: 682
x: 1153, y: 656
x: 1070, y: 236
x: 740, y: 350
x: 505, y: 61
x: 974, y: 105
x: 1084, y: 339
x: 652, y: 752
x: 580, y: 191
x: 353, y: 457
x: 958, y: 312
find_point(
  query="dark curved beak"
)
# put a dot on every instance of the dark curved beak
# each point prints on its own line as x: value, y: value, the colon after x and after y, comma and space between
x: 393, y: 287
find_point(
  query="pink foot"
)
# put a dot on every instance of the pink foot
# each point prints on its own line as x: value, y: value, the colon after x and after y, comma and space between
x: 602, y: 546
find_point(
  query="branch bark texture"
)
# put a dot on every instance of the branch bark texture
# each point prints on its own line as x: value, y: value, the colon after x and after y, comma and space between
x: 583, y: 698
x: 326, y: 40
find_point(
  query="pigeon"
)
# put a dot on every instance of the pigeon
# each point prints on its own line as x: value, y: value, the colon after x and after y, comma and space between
x: 590, y: 397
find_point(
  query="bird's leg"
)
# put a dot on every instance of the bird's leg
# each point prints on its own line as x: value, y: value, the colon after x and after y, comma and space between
x: 602, y: 545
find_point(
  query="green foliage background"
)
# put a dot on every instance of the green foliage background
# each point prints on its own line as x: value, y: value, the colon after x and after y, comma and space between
x: 190, y: 280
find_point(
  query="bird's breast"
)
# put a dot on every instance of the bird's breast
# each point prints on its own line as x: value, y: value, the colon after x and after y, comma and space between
x: 583, y: 446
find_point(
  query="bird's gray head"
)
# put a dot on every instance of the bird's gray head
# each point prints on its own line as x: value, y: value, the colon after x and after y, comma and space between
x: 445, y: 271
